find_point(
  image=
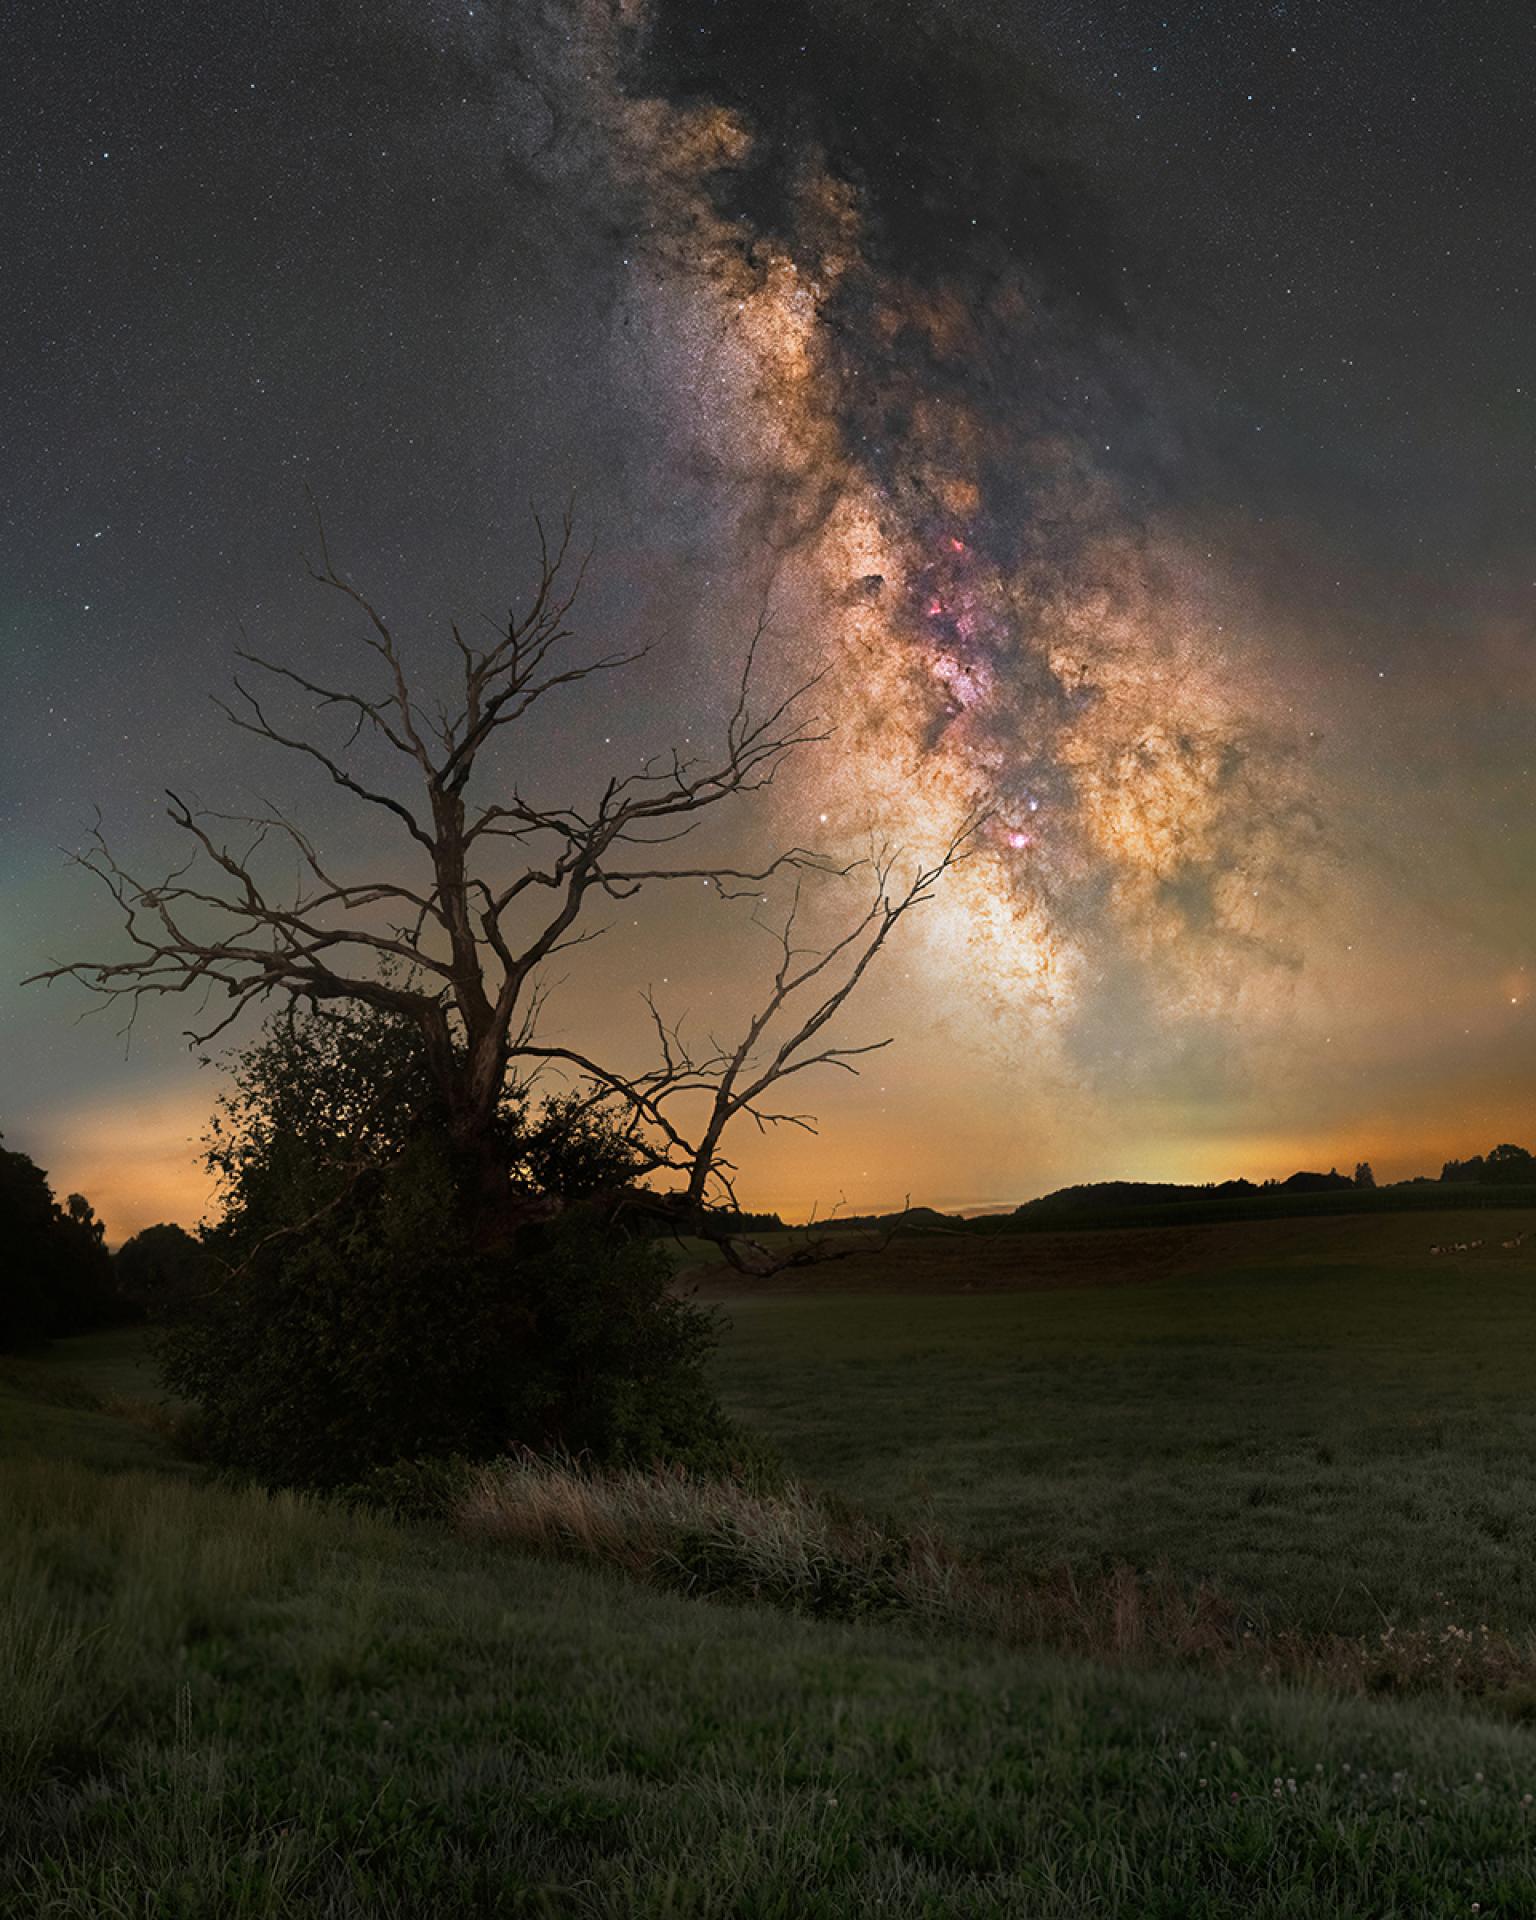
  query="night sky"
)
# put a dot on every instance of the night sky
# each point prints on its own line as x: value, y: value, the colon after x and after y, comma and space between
x: 1131, y: 412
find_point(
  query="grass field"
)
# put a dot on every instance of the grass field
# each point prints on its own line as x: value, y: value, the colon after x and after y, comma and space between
x: 215, y: 1702
x: 1320, y: 1417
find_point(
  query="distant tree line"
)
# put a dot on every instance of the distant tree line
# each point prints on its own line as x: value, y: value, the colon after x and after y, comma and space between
x: 733, y: 1221
x: 56, y: 1276
x: 1505, y: 1166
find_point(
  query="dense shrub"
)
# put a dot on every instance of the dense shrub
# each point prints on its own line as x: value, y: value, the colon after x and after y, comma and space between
x: 353, y: 1312
x: 379, y: 1335
x: 428, y: 1491
x: 618, y: 1368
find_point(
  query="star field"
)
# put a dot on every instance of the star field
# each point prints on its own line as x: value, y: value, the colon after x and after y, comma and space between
x: 1131, y: 408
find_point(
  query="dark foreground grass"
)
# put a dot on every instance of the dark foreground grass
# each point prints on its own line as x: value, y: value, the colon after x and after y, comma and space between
x: 1333, y: 1442
x: 220, y: 1703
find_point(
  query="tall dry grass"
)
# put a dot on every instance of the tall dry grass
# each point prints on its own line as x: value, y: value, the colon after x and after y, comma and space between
x: 712, y: 1536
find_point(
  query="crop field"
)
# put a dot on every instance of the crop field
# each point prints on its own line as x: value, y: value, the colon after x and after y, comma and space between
x: 219, y: 1702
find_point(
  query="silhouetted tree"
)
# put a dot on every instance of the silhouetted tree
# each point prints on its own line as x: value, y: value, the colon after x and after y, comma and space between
x: 162, y: 1269
x: 1364, y: 1177
x: 27, y: 1225
x: 1510, y: 1165
x: 487, y: 890
x: 377, y: 1272
x: 1504, y: 1165
x: 55, y: 1273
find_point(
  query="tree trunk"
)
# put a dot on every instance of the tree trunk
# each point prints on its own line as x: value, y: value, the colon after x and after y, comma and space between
x: 498, y: 1212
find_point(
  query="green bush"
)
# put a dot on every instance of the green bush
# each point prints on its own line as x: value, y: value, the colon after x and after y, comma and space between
x: 380, y: 1335
x: 426, y: 1491
x: 361, y: 1304
x: 616, y: 1369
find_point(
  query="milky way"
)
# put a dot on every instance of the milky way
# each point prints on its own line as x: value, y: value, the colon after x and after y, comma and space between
x: 906, y: 442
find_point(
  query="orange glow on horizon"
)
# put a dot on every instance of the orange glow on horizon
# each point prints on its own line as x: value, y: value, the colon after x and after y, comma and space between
x: 136, y: 1160
x: 934, y: 1144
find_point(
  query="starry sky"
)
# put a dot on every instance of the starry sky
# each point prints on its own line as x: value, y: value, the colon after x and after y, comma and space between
x: 1128, y: 411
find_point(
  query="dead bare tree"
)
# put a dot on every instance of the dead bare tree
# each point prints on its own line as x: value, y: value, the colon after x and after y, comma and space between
x: 505, y: 886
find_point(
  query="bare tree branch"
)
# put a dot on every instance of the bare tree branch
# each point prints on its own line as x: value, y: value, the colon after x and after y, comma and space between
x: 779, y: 1040
x: 457, y: 942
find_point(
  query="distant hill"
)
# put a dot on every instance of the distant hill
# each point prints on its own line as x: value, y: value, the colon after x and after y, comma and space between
x: 1134, y: 1204
x: 1103, y: 1196
x: 1109, y: 1195
x: 906, y: 1218
x: 1506, y: 1177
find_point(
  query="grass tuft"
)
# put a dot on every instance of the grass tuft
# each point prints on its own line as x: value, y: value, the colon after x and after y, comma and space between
x: 712, y: 1537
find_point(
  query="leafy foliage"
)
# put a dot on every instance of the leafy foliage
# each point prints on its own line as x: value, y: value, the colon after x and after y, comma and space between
x: 617, y: 1369
x: 358, y: 1321
x: 318, y: 1100
x: 368, y: 1336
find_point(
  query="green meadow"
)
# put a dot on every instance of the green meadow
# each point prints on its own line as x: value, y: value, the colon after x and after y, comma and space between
x: 1335, y: 1437
x: 215, y: 1701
